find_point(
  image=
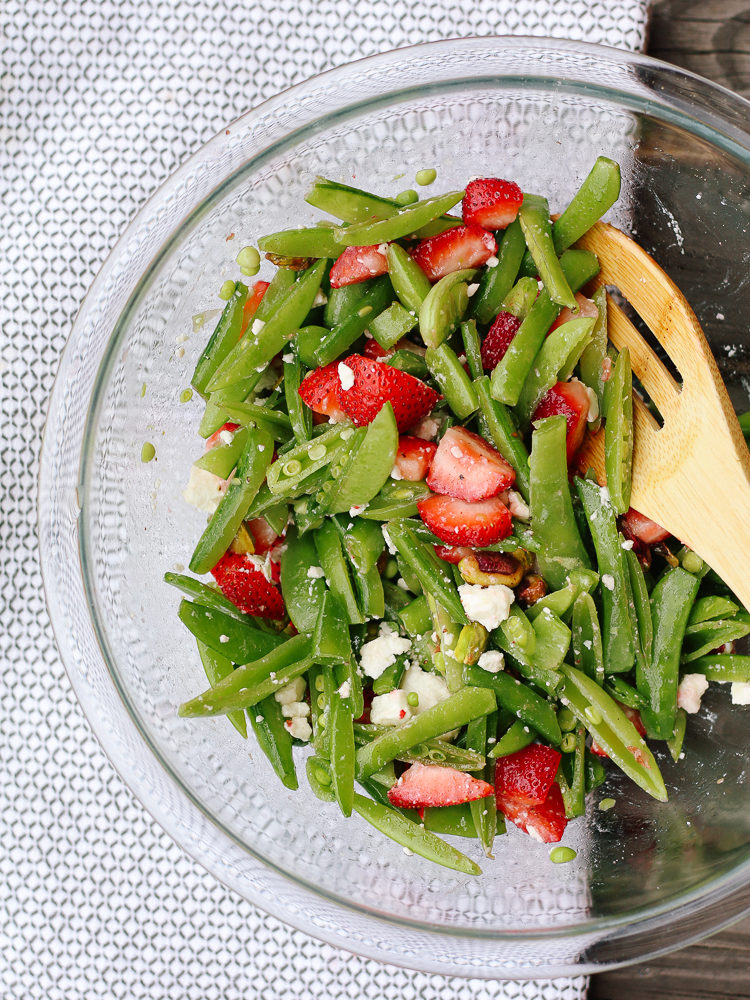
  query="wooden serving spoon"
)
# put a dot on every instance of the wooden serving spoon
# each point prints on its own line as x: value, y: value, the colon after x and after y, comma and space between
x: 691, y: 476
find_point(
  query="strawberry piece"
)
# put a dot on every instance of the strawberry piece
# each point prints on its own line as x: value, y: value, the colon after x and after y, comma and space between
x: 496, y: 343
x: 215, y: 440
x: 252, y: 302
x: 467, y: 468
x: 453, y: 553
x: 358, y: 264
x: 424, y: 785
x: 545, y: 822
x: 264, y: 537
x: 414, y: 457
x: 640, y: 528
x: 246, y: 587
x: 571, y: 399
x: 321, y: 391
x: 491, y: 202
x: 586, y: 310
x: 527, y: 775
x: 375, y: 384
x: 460, y: 523
x: 454, y: 250
x: 372, y: 349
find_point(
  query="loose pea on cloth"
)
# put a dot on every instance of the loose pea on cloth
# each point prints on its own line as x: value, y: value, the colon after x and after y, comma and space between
x: 100, y: 100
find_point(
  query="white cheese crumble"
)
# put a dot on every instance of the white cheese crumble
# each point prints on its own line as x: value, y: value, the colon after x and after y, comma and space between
x: 379, y: 654
x: 315, y: 573
x: 299, y: 728
x: 295, y: 709
x: 518, y: 506
x: 430, y: 688
x: 492, y: 661
x: 226, y: 437
x: 691, y: 690
x: 287, y: 358
x: 593, y: 413
x: 487, y: 605
x: 472, y: 290
x: 257, y: 326
x: 740, y: 692
x: 357, y: 509
x: 223, y: 638
x: 395, y: 474
x: 204, y: 490
x: 391, y: 547
x: 291, y: 692
x: 345, y: 690
x: 456, y: 451
x: 320, y: 298
x: 390, y: 709
x: 608, y: 581
x: 627, y: 544
x: 346, y: 375
x: 492, y: 261
x: 426, y: 429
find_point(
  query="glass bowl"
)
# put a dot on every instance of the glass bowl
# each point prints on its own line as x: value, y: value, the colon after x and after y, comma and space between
x: 648, y: 877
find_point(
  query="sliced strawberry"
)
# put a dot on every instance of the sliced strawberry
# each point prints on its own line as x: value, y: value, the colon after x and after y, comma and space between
x: 545, y: 822
x: 497, y: 341
x: 467, y: 468
x: 460, y: 523
x: 491, y: 202
x: 528, y: 774
x: 424, y: 785
x: 414, y: 457
x: 321, y: 391
x: 372, y: 349
x: 453, y: 553
x: 358, y: 264
x: 215, y: 440
x: 376, y: 383
x: 571, y: 399
x: 641, y: 528
x: 264, y: 537
x: 246, y: 587
x: 586, y: 310
x: 454, y: 250
x: 253, y: 301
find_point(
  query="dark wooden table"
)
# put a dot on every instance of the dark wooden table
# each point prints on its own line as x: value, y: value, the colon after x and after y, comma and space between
x: 710, y: 37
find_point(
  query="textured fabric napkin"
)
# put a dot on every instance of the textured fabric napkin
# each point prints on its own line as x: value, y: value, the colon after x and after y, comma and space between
x: 99, y: 101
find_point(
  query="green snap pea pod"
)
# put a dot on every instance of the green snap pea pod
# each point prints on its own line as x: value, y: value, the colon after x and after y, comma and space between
x: 472, y: 348
x: 450, y: 821
x: 512, y: 694
x: 452, y: 380
x: 588, y: 653
x: 274, y: 295
x: 435, y: 751
x: 518, y: 736
x: 612, y: 730
x: 331, y: 556
x: 276, y: 423
x: 561, y: 549
x: 316, y: 686
x: 217, y: 667
x: 560, y: 602
x: 595, y: 772
x: 277, y: 517
x: 253, y: 353
x: 330, y: 641
x: 237, y: 640
x: 552, y: 644
x: 370, y: 593
x: 447, y: 632
x: 618, y: 433
x: 406, y: 221
x: 298, y: 464
x: 671, y: 601
x: 391, y: 676
x: 429, y: 569
x: 392, y: 324
x: 395, y: 600
x: 444, y: 306
x: 617, y: 625
x: 416, y: 617
x: 521, y: 298
x: 555, y: 361
x: 319, y: 778
x: 705, y: 636
x: 519, y: 632
x: 712, y: 607
x: 591, y: 364
x: 206, y: 596
x: 302, y: 585
x: 396, y: 500
x: 676, y: 740
x: 325, y: 687
x: 456, y: 711
x: 350, y: 329
x: 726, y: 667
x: 214, y: 414
x: 409, y: 281
x: 315, y: 241
x: 483, y: 811
x: 472, y: 642
x: 342, y: 755
x: 624, y: 692
x: 408, y: 834
x: 573, y: 782
x: 274, y: 739
x: 251, y: 683
x: 223, y: 339
x: 369, y: 465
x: 496, y: 282
x: 300, y: 416
x: 537, y: 230
x: 497, y: 426
x: 233, y: 506
x: 409, y: 362
x: 325, y: 498
x: 224, y: 457
x: 363, y: 541
x: 578, y: 266
x: 348, y: 679
x: 344, y: 302
x: 643, y: 628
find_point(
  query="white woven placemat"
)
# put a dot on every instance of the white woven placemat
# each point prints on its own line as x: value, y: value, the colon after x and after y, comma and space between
x: 99, y: 101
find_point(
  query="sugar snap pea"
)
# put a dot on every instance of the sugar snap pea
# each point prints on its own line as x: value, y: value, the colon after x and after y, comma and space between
x: 206, y: 596
x: 706, y: 636
x: 302, y: 582
x: 300, y: 463
x: 274, y: 739
x: 521, y: 298
x: 537, y: 230
x: 712, y: 607
x: 351, y: 328
x: 472, y: 348
x: 435, y: 751
x: 452, y: 380
x: 517, y: 736
x: 317, y: 241
x: 726, y: 667
x: 396, y: 500
x: 300, y: 417
x: 498, y: 428
x: 416, y: 617
x: 342, y: 755
x: 331, y: 556
x: 429, y: 569
x: 406, y: 221
x: 368, y: 465
x: 222, y: 459
x: 623, y: 692
x: 444, y: 306
x: 223, y: 339
x: 330, y: 640
x: 483, y: 811
x: 588, y: 653
x: 275, y: 422
x: 239, y: 641
x: 393, y: 323
x: 555, y: 361
x: 496, y: 282
x: 591, y: 365
x: 517, y: 697
x: 618, y: 433
x: 676, y: 740
x: 217, y: 667
x: 560, y: 602
x: 643, y: 628
x: 409, y: 281
x: 344, y: 302
x: 319, y: 778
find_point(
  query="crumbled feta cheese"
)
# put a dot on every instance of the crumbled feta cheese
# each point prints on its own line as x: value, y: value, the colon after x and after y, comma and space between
x: 346, y: 376
x: 604, y: 493
x: 226, y: 437
x: 456, y: 451
x: 391, y: 547
x: 357, y: 509
x: 315, y: 573
x: 204, y: 490
x: 426, y: 429
x: 492, y: 261
x: 627, y: 544
x: 390, y: 709
x: 345, y: 690
x: 257, y: 326
x: 261, y: 563
x: 740, y: 692
x: 320, y: 298
x: 472, y: 290
x: 395, y: 474
x: 518, y: 506
x: 299, y: 728
x: 608, y: 581
x: 295, y: 709
x: 379, y: 654
x: 223, y: 638
x: 691, y: 690
x: 593, y: 413
x: 492, y: 661
x: 402, y: 583
x: 487, y: 605
x: 287, y: 358
x: 431, y: 688
x: 291, y: 692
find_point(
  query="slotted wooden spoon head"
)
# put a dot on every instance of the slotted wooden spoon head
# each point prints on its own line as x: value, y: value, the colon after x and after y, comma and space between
x: 692, y: 475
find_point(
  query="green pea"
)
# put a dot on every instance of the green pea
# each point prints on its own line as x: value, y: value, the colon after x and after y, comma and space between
x: 249, y: 260
x: 692, y: 562
x: 186, y: 395
x: 593, y: 715
x: 561, y: 855
x: 227, y: 290
x: 317, y: 451
x: 606, y: 804
x: 426, y: 176
x: 148, y: 452
x: 407, y: 197
x: 566, y: 719
x: 292, y: 467
x: 568, y: 743
x: 412, y: 699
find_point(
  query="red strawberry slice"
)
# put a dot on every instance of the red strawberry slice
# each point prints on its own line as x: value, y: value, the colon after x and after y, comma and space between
x: 424, y: 785
x: 545, y: 822
x: 491, y: 202
x: 642, y: 529
x: 453, y: 250
x: 358, y: 264
x: 253, y: 301
x: 414, y: 457
x: 467, y: 468
x: 246, y: 587
x: 215, y: 440
x: 453, y: 553
x: 460, y: 523
x: 321, y: 391
x: 528, y: 774
x: 586, y: 310
x: 571, y: 399
x: 375, y: 384
x: 497, y: 341
x: 373, y: 350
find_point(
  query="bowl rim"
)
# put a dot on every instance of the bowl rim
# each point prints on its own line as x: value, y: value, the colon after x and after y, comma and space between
x: 708, y: 892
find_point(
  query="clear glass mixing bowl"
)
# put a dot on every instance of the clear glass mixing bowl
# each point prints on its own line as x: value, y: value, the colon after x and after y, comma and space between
x: 648, y: 877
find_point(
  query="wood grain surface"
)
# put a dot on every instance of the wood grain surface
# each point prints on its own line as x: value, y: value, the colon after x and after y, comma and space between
x: 710, y: 37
